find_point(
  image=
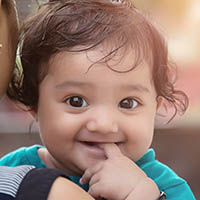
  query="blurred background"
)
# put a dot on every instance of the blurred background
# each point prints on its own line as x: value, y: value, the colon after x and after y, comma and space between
x: 177, y: 144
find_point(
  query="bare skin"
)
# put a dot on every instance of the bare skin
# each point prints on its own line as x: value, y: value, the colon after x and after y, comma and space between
x: 64, y: 189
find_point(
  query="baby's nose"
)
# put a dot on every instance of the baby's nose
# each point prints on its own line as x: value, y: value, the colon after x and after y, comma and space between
x: 103, y: 122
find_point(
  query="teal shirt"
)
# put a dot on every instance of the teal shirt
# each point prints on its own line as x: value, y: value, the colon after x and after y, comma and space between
x: 167, y: 180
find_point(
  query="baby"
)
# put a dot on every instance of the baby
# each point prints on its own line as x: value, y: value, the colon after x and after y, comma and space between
x: 94, y: 74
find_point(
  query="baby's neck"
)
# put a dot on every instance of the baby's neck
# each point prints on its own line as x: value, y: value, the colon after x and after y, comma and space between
x: 50, y: 162
x: 46, y: 158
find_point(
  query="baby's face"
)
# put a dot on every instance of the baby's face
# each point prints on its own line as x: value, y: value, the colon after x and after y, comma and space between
x: 8, y: 38
x: 80, y: 109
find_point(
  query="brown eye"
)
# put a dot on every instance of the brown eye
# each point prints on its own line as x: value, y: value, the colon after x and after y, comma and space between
x: 128, y: 103
x: 76, y: 101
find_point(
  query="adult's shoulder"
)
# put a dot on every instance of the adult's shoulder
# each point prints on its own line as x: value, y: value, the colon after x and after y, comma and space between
x: 10, y: 180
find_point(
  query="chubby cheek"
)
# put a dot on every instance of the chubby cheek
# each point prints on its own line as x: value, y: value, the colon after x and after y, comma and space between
x: 138, y: 140
x: 59, y: 131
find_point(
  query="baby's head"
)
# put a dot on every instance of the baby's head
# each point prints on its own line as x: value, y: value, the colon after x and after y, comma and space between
x: 82, y: 25
x: 93, y: 71
x: 8, y: 41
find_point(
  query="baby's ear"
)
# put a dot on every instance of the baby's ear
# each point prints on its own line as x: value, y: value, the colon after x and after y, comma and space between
x: 159, y: 100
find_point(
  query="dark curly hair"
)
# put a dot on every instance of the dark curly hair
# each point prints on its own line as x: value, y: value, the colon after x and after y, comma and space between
x: 81, y: 25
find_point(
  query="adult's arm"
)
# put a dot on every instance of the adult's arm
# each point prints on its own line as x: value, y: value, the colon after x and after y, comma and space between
x: 64, y: 189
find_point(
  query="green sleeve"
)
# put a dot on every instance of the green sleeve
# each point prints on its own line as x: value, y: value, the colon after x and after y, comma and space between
x: 175, y: 187
x: 23, y: 156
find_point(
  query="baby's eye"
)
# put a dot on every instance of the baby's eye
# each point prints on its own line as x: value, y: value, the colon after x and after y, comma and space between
x: 128, y: 103
x: 76, y: 101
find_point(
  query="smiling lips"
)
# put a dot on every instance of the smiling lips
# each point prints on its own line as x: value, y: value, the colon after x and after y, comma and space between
x: 95, y: 146
x: 97, y: 143
x: 94, y: 149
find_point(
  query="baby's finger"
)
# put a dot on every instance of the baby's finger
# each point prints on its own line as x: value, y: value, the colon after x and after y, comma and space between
x: 89, y: 173
x: 110, y: 149
x: 94, y: 179
x: 95, y: 191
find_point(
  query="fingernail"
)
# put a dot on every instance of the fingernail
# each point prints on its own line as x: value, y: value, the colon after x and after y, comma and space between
x: 81, y: 181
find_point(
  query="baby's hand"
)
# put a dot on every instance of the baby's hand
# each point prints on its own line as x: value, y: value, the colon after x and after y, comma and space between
x: 118, y: 178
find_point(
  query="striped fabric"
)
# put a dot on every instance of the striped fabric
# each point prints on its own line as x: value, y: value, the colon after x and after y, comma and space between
x: 11, y: 178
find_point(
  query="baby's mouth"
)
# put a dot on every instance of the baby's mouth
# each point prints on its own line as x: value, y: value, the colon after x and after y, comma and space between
x: 93, y: 145
x: 95, y: 149
x: 90, y: 143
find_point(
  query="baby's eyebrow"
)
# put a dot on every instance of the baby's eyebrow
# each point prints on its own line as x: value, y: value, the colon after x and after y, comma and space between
x: 136, y: 87
x: 72, y: 84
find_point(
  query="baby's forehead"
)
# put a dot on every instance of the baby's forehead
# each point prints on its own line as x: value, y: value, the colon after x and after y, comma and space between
x: 120, y: 61
x: 107, y: 53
